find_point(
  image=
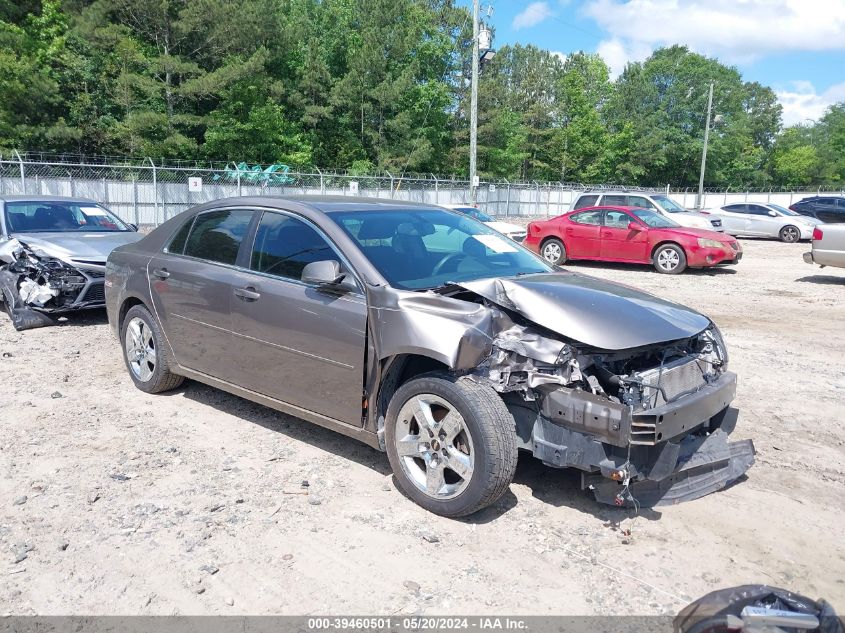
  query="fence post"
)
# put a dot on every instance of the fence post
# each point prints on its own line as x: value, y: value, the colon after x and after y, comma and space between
x: 391, y: 184
x: 155, y: 192
x: 135, y: 199
x: 105, y: 193
x: 238, y: 168
x: 436, y: 189
x: 508, y: 199
x: 322, y: 185
x: 23, y: 175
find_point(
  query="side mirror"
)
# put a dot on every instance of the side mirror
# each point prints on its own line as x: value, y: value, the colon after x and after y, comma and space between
x: 773, y: 214
x: 633, y: 226
x: 327, y: 273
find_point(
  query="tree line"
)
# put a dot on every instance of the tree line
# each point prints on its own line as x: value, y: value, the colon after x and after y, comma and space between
x: 373, y: 85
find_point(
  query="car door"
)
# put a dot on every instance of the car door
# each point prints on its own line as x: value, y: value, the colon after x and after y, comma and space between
x: 734, y: 218
x: 620, y: 242
x: 762, y: 223
x: 294, y: 341
x: 581, y: 234
x: 191, y: 285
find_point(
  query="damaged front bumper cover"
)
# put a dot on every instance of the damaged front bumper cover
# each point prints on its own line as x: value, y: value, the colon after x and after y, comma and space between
x: 666, y: 455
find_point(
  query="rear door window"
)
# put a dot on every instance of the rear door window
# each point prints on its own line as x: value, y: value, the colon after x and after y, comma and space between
x: 586, y: 201
x: 587, y: 217
x: 614, y: 200
x: 616, y: 219
x: 640, y: 202
x: 217, y: 235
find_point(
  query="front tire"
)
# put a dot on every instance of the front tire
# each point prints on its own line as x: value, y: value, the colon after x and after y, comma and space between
x: 790, y: 234
x: 669, y: 259
x: 553, y: 251
x: 145, y: 354
x: 451, y: 443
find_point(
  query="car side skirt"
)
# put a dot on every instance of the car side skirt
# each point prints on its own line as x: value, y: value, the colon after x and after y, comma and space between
x: 359, y: 433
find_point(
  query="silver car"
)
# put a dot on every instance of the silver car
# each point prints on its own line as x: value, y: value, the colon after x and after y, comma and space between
x: 53, y: 254
x: 657, y: 202
x: 828, y: 246
x: 765, y: 220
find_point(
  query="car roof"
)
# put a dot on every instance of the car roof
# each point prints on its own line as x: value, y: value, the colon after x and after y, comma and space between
x: 324, y: 204
x: 24, y: 198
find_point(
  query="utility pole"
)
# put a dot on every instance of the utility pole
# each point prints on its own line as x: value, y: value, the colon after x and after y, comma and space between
x: 473, y: 117
x: 704, y: 151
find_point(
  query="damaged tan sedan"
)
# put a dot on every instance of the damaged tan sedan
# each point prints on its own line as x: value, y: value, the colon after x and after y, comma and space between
x: 430, y: 336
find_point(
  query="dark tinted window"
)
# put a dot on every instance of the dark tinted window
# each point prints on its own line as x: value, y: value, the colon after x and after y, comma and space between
x: 615, y: 201
x: 284, y: 245
x: 735, y: 208
x: 586, y: 201
x: 756, y: 209
x: 587, y: 217
x: 177, y: 244
x: 217, y: 235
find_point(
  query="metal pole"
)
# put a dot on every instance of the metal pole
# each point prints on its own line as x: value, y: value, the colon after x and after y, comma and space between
x: 135, y: 200
x: 473, y: 117
x: 704, y: 151
x: 436, y: 189
x: 391, y: 184
x: 155, y: 192
x: 23, y: 175
x: 322, y: 184
x: 508, y: 200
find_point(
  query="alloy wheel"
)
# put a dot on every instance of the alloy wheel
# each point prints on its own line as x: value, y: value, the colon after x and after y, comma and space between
x: 668, y: 259
x: 140, y: 349
x: 434, y: 446
x: 790, y: 234
x: 552, y: 252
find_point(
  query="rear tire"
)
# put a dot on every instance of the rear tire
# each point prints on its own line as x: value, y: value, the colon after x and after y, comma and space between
x: 790, y: 234
x: 451, y: 443
x: 145, y: 353
x: 553, y: 251
x: 669, y: 259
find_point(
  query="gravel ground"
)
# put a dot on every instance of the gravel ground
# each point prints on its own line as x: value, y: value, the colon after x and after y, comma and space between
x: 197, y: 502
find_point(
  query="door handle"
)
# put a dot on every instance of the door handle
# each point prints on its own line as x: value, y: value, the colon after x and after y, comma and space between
x: 247, y: 294
x: 606, y: 234
x: 161, y: 273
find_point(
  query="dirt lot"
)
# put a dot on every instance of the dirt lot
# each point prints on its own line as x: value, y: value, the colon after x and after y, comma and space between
x: 116, y: 502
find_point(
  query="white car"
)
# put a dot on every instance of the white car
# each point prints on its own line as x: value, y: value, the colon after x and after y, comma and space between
x: 765, y: 220
x: 828, y: 246
x: 514, y: 231
x: 657, y: 202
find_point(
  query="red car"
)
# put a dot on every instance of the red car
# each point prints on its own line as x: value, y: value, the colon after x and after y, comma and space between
x: 633, y: 235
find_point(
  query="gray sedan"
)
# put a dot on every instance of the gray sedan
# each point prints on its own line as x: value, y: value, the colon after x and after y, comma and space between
x: 765, y: 220
x: 426, y: 334
x: 53, y: 254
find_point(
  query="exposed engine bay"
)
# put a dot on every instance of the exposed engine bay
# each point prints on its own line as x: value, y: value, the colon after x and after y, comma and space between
x: 35, y: 285
x: 647, y: 425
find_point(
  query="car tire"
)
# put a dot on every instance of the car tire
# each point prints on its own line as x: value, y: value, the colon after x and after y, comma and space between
x: 465, y: 426
x: 145, y: 353
x: 669, y: 259
x: 790, y: 234
x: 553, y: 251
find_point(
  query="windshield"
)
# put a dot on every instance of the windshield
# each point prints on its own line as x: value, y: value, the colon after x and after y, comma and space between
x: 654, y: 220
x: 39, y: 216
x: 668, y: 205
x: 427, y: 248
x: 783, y: 210
x: 473, y: 213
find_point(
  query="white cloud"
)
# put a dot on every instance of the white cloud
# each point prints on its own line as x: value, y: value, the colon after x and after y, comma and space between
x: 736, y: 31
x: 560, y: 55
x: 616, y: 53
x: 534, y: 13
x: 802, y: 102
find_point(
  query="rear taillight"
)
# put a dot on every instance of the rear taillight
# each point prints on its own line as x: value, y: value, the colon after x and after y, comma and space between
x: 817, y: 233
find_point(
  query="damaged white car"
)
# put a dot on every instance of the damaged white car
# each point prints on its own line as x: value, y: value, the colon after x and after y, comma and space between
x: 53, y: 255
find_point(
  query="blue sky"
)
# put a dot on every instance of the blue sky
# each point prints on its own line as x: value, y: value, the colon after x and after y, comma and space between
x: 795, y: 46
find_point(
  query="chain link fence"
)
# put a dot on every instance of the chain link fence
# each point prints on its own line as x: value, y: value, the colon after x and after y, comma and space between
x: 144, y: 193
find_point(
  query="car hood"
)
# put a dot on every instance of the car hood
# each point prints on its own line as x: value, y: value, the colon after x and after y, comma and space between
x: 690, y: 231
x: 506, y: 227
x: 690, y: 218
x: 597, y: 313
x: 92, y: 247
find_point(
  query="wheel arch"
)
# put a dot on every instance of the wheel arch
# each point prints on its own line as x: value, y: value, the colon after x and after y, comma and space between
x: 128, y: 303
x: 666, y: 242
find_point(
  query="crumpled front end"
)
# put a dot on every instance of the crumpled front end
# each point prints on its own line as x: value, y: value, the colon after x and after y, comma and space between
x: 647, y: 425
x: 35, y: 286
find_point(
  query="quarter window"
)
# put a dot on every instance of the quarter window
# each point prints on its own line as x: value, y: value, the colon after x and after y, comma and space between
x: 587, y: 217
x: 586, y: 201
x: 177, y: 244
x: 735, y: 208
x: 217, y: 235
x: 284, y: 245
